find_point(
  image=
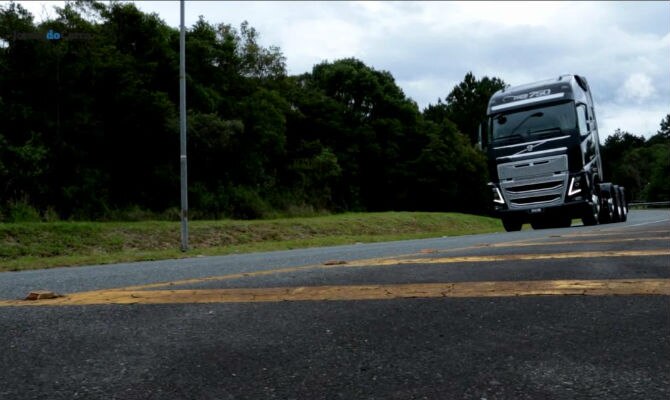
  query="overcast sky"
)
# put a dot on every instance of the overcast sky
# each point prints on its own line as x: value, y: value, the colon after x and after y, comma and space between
x: 623, y: 48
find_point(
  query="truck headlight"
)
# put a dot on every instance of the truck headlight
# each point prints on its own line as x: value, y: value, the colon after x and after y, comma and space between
x: 575, y: 186
x: 497, y: 197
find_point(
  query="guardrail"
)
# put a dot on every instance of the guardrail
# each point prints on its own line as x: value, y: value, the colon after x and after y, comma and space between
x: 649, y: 204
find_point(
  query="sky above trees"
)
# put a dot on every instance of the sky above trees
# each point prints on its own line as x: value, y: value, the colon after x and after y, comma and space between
x: 623, y: 48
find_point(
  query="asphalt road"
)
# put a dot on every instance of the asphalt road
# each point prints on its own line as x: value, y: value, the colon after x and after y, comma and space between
x: 582, y: 312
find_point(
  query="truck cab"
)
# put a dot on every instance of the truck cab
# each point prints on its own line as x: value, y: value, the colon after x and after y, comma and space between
x: 543, y: 150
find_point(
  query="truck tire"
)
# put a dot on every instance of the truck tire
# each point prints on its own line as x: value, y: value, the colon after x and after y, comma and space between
x: 511, y: 224
x: 616, y: 201
x: 606, y: 203
x: 591, y: 214
x: 624, y: 204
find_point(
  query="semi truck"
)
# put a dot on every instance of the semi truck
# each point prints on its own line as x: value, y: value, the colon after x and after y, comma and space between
x: 543, y: 151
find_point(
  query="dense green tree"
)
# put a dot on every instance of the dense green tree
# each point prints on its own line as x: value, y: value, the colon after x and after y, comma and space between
x: 642, y: 166
x: 372, y: 127
x: 467, y: 102
x: 658, y: 188
x: 27, y: 117
x: 436, y: 113
x: 449, y: 173
x: 664, y: 130
x: 658, y: 185
x: 313, y: 168
x: 613, y: 150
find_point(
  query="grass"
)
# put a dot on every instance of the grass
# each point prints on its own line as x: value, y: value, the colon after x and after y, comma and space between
x: 35, y: 245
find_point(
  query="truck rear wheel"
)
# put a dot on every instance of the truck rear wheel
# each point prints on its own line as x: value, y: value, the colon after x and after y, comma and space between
x: 511, y: 224
x: 623, y: 203
x: 616, y: 199
x: 592, y: 213
x: 607, y: 203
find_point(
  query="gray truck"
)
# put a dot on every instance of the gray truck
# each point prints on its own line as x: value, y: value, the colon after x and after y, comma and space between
x: 543, y: 150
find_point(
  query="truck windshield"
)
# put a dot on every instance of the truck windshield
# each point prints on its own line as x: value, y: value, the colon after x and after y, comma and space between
x: 534, y: 123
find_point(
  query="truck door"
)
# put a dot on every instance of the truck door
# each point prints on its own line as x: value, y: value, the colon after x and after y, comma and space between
x: 587, y: 138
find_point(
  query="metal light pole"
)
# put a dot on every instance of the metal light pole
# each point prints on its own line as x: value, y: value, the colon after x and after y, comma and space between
x: 182, y: 130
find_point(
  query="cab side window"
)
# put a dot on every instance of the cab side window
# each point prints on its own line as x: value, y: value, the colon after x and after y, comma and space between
x: 581, y: 119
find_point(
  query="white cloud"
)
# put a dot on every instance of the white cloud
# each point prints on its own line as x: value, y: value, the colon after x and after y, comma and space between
x: 328, y: 40
x: 637, y: 119
x: 41, y: 10
x: 509, y: 13
x: 637, y: 87
x: 427, y: 90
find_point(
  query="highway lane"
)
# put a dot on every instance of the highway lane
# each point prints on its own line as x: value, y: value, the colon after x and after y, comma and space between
x: 15, y: 285
x: 567, y: 313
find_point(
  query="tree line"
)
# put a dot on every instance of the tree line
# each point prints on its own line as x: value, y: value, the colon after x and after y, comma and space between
x: 641, y: 165
x: 90, y: 125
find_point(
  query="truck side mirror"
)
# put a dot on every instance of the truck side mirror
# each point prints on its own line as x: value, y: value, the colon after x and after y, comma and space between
x: 479, y: 145
x: 480, y: 139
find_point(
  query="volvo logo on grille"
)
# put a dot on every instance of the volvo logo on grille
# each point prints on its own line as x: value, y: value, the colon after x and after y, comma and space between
x: 531, y: 147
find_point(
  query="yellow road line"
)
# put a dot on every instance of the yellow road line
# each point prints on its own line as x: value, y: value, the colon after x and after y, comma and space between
x: 367, y: 262
x: 383, y: 262
x: 603, y: 241
x: 617, y: 232
x: 619, y: 287
x: 230, y: 276
x: 512, y: 257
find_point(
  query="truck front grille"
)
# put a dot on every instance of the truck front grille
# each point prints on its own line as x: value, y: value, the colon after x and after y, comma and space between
x: 540, y: 182
x: 534, y: 187
x: 535, y: 200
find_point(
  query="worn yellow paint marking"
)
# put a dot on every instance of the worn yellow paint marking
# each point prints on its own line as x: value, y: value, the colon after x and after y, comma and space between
x: 512, y: 257
x: 617, y: 232
x: 383, y: 262
x: 555, y: 243
x: 620, y: 287
x: 229, y: 276
x: 397, y: 261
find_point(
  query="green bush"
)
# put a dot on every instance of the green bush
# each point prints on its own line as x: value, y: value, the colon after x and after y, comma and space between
x: 50, y: 215
x: 22, y: 211
x: 246, y: 203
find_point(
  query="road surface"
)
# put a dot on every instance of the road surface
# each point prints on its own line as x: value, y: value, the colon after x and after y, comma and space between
x: 582, y: 312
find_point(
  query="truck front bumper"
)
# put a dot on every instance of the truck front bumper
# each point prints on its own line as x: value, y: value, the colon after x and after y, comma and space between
x: 575, y: 210
x: 558, y: 195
